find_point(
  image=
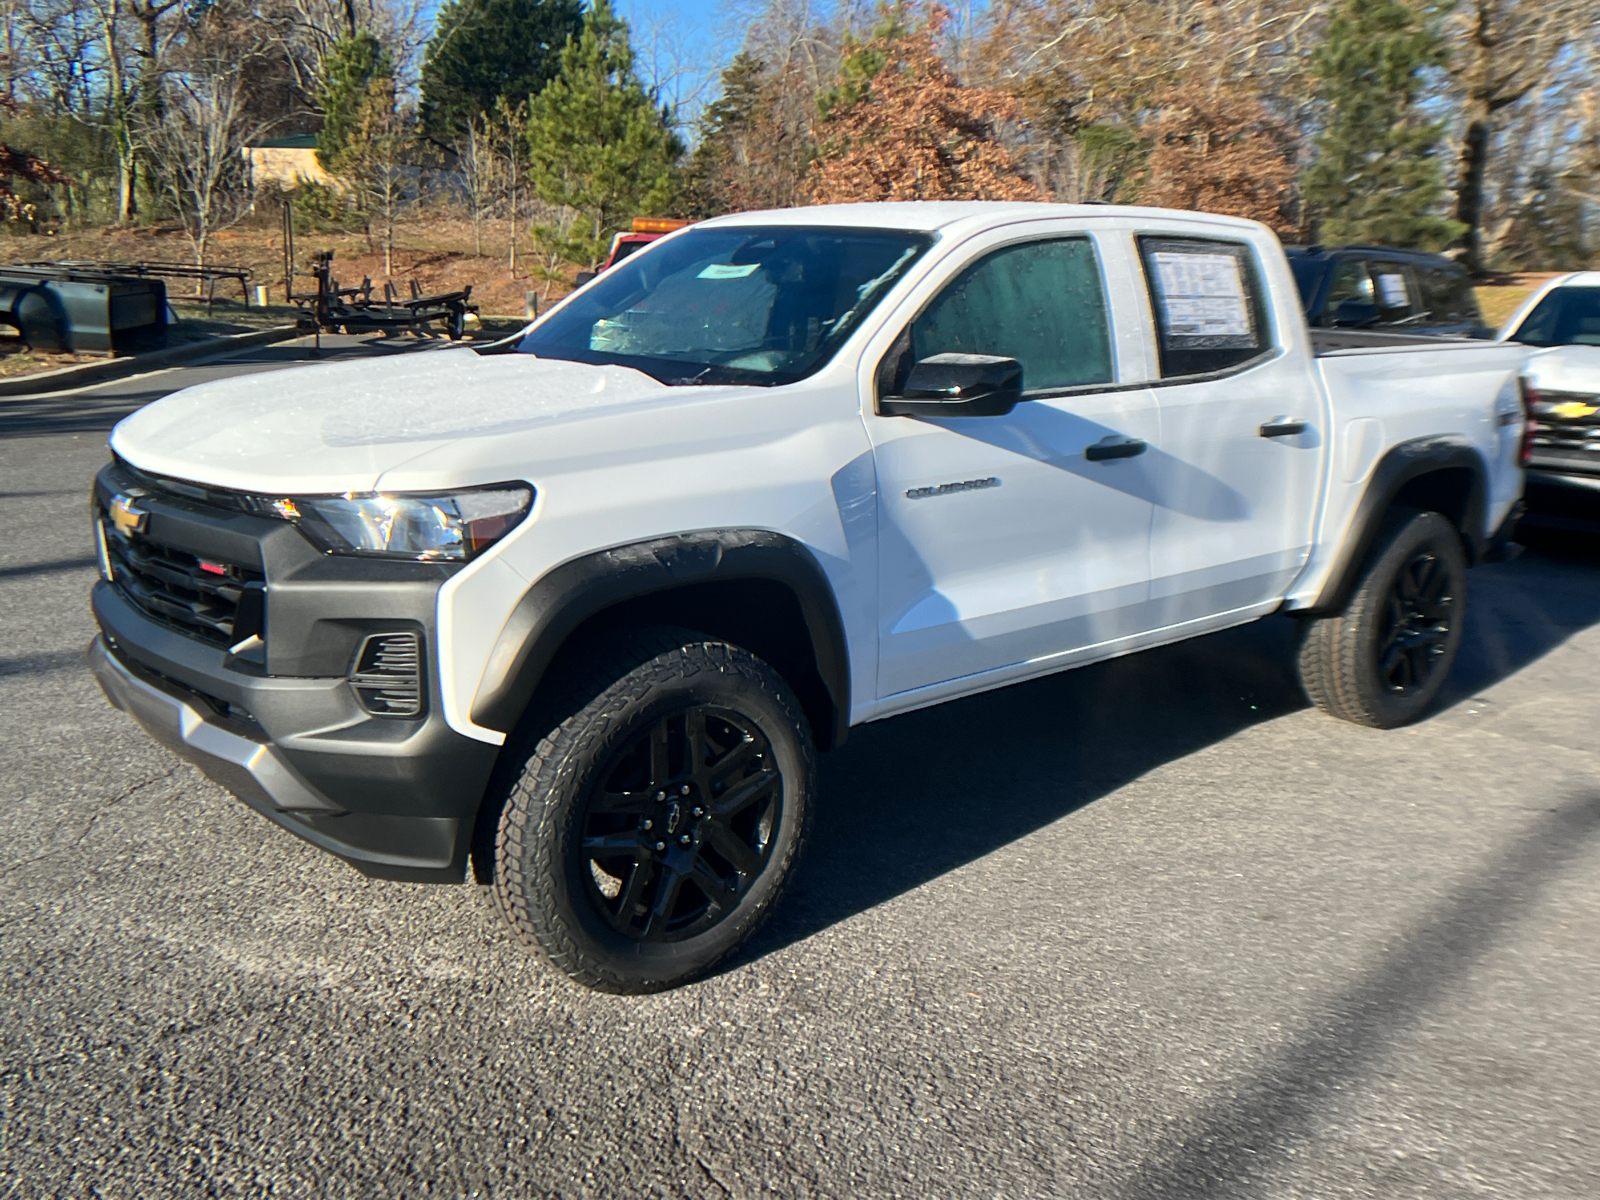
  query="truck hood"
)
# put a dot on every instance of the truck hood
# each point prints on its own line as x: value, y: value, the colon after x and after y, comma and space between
x: 340, y: 426
x: 1565, y: 369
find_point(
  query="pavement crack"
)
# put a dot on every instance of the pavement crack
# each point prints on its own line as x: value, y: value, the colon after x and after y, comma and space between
x: 94, y: 818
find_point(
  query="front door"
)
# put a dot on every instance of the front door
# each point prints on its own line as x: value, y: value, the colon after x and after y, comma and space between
x: 1000, y: 542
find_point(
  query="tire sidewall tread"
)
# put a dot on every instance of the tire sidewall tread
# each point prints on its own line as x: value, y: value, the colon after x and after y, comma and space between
x: 1336, y: 655
x: 604, y: 702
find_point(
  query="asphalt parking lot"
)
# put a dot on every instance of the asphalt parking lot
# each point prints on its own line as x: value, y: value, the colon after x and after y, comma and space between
x: 1149, y: 929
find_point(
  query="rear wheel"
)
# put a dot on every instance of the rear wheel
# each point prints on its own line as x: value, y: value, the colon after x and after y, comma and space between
x: 652, y: 830
x: 1383, y: 659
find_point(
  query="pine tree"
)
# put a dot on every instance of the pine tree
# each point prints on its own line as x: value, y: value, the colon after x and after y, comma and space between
x: 483, y: 50
x: 755, y: 143
x: 599, y: 144
x: 1377, y: 175
x: 347, y: 77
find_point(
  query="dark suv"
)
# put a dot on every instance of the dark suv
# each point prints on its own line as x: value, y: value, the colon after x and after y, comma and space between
x: 1382, y: 289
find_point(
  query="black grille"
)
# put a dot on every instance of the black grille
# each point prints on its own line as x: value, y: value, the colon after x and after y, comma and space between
x: 219, y: 602
x: 388, y: 675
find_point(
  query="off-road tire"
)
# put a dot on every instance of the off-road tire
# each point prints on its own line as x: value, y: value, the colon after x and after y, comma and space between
x: 629, y: 685
x: 1340, y: 656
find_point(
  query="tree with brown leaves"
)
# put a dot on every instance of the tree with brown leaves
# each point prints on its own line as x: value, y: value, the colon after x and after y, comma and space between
x: 913, y: 132
x: 1218, y: 151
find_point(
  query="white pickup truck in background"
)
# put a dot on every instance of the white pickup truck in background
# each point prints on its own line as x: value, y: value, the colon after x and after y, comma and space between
x: 571, y: 613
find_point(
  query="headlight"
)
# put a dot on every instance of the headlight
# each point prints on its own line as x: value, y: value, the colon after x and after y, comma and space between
x: 437, y: 527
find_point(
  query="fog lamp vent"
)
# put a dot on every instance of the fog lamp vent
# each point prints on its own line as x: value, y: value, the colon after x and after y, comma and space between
x: 388, y: 675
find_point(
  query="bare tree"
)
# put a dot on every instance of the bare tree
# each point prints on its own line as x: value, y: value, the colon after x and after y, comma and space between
x: 377, y: 163
x: 1505, y: 52
x: 197, y: 142
x: 478, y: 167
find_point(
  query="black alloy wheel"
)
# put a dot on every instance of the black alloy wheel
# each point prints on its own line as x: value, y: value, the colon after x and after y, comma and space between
x: 646, y: 833
x: 680, y: 824
x: 1382, y: 659
x: 1421, y: 612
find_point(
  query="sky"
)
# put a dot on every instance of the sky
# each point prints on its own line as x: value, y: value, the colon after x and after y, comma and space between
x: 682, y: 44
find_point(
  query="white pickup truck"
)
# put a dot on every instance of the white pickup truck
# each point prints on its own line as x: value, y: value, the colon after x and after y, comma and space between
x: 572, y: 613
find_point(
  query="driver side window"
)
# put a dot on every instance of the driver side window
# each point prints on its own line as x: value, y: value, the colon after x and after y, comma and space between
x: 1041, y: 303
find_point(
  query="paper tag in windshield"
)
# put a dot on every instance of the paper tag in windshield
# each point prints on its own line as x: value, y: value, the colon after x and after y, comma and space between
x: 1203, y: 295
x: 727, y: 271
x: 1393, y: 290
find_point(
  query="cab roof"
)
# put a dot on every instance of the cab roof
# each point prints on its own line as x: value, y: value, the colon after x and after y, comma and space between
x: 932, y: 215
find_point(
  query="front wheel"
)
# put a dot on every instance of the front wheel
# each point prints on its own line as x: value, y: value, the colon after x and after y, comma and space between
x: 1383, y: 659
x: 652, y: 830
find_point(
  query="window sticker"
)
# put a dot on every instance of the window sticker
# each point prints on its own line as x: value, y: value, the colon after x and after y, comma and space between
x: 728, y: 271
x: 1202, y: 296
x: 1393, y: 290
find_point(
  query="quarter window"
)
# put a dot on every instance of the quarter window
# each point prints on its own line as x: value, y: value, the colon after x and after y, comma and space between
x: 1206, y: 297
x: 1447, y: 293
x: 1041, y: 303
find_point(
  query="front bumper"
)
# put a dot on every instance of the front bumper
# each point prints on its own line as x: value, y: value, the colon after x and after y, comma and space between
x: 280, y: 725
x: 405, y: 844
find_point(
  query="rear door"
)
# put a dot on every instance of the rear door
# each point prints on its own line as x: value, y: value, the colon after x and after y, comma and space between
x: 1240, y: 449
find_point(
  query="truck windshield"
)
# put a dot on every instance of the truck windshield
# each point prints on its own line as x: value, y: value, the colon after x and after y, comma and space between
x: 747, y: 304
x: 1567, y: 316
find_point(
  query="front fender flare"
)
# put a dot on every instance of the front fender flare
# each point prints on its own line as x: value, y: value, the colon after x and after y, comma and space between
x: 562, y: 600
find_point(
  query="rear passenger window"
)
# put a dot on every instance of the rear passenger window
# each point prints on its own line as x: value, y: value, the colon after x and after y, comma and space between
x: 1206, y: 297
x: 1396, y: 296
x: 1040, y: 303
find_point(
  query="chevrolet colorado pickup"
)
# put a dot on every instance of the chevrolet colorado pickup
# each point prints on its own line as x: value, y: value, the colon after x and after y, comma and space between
x: 571, y: 614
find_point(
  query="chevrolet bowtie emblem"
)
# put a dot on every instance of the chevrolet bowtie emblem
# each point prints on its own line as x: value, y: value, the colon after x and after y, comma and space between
x: 125, y: 518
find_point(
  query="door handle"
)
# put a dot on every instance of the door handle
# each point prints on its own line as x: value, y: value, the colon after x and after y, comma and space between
x: 1114, y: 447
x: 1284, y: 427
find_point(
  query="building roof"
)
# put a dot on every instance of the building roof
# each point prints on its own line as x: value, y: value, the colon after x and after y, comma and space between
x: 298, y: 141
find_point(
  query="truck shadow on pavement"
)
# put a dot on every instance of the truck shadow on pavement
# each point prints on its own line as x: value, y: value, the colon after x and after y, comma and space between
x: 909, y: 799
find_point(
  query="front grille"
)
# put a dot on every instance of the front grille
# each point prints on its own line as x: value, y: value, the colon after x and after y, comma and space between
x: 388, y: 675
x: 219, y: 602
x: 1566, y: 422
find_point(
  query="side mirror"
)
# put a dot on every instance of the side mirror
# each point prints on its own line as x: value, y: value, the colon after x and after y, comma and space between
x: 1355, y: 314
x: 581, y: 278
x: 958, y: 385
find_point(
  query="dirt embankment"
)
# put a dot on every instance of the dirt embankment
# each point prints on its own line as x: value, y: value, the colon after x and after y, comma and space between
x: 437, y: 253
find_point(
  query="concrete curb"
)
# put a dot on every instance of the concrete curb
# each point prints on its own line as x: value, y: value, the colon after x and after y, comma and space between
x: 115, y: 368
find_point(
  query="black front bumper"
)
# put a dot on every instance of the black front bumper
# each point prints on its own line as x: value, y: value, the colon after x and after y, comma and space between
x: 282, y: 728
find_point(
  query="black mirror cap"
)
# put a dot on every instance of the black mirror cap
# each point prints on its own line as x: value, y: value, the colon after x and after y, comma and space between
x: 583, y: 277
x: 958, y: 385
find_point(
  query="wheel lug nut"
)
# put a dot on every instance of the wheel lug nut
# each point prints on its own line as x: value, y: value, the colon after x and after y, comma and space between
x: 698, y: 811
x: 684, y: 840
x: 661, y: 795
x: 648, y: 823
x: 684, y: 790
x: 661, y: 845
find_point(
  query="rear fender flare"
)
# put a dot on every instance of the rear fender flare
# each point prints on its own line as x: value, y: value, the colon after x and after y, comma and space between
x: 569, y: 595
x: 1400, y: 465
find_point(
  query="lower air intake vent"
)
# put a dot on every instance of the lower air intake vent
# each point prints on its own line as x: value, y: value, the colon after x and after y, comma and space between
x: 388, y: 675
